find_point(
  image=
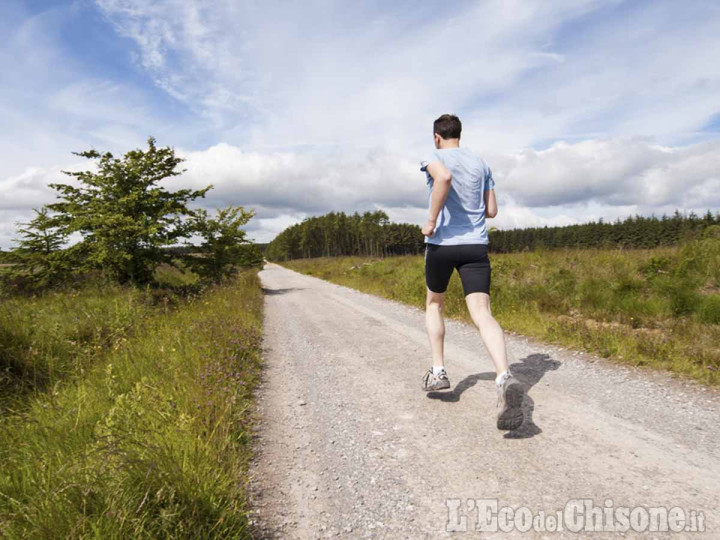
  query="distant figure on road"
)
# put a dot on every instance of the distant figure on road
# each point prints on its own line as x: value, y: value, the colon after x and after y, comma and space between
x: 461, y: 196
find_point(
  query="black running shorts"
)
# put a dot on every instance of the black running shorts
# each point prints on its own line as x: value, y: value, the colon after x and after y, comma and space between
x: 472, y: 263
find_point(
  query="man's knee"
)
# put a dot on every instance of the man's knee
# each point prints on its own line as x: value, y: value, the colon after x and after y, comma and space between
x: 478, y: 303
x: 434, y: 300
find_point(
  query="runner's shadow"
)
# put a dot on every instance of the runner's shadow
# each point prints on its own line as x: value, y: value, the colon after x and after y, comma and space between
x: 454, y: 395
x: 281, y: 291
x: 529, y: 371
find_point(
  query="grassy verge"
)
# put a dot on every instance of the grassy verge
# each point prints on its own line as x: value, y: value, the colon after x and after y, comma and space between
x: 149, y: 436
x: 54, y: 335
x: 57, y: 335
x: 658, y: 308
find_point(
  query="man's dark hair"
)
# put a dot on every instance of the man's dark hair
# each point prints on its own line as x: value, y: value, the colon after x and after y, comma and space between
x: 448, y: 126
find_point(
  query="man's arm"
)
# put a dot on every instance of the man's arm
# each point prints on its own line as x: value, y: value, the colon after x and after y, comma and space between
x: 441, y: 187
x: 491, y: 208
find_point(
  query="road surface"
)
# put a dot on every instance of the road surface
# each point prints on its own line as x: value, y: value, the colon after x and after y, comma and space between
x: 349, y: 446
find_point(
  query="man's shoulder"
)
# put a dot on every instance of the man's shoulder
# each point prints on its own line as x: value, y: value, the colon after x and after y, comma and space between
x: 472, y: 154
x: 429, y: 157
x: 450, y: 156
x: 473, y: 160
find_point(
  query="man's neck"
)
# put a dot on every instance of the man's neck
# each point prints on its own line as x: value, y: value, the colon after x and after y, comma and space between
x: 449, y: 143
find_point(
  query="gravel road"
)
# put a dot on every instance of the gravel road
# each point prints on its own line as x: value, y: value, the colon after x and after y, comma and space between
x: 349, y: 446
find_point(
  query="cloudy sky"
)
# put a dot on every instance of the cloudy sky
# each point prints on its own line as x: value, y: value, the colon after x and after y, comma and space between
x: 583, y: 108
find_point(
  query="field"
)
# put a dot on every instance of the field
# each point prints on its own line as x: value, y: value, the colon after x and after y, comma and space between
x: 125, y: 413
x: 657, y: 308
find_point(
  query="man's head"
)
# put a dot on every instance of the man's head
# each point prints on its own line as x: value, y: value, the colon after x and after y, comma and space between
x: 446, y: 129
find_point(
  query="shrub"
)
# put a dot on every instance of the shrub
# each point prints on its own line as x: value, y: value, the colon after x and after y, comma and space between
x: 709, y: 311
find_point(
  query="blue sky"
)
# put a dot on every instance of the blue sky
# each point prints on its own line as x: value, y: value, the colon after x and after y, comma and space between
x: 583, y: 108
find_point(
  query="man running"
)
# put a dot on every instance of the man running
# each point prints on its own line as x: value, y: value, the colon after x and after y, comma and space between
x: 461, y: 196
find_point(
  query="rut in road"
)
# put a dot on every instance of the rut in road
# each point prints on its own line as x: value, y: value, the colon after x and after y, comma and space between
x: 349, y: 446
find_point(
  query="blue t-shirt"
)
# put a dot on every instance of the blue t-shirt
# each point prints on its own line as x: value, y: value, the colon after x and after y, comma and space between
x: 462, y: 219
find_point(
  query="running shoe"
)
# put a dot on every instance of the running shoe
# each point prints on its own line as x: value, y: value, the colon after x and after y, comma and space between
x: 510, y: 397
x: 435, y: 382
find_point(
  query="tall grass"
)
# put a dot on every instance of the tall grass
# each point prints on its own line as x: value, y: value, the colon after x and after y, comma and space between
x: 657, y: 308
x: 51, y: 336
x: 152, y: 440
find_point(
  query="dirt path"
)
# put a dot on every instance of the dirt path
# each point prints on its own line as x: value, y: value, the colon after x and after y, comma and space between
x: 351, y: 447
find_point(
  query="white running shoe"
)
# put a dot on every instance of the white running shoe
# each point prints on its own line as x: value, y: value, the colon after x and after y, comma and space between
x: 510, y: 393
x: 435, y: 382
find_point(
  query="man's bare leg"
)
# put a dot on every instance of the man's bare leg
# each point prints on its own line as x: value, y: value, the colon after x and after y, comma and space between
x: 436, y: 378
x: 490, y: 331
x: 435, y: 326
x: 509, y: 390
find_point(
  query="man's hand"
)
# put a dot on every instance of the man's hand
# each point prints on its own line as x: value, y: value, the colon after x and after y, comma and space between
x: 429, y: 228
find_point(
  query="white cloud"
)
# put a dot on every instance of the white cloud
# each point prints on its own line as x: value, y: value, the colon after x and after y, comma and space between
x: 615, y: 172
x: 265, y: 229
x: 304, y: 182
x: 28, y: 190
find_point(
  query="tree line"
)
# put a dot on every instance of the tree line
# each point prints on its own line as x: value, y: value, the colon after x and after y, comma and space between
x: 336, y: 234
x: 372, y: 234
x: 635, y: 232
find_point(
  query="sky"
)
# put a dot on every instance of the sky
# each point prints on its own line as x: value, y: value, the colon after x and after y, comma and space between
x: 584, y: 109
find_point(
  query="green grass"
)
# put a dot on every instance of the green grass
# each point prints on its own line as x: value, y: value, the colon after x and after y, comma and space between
x: 56, y: 335
x: 50, y: 335
x: 178, y: 276
x: 658, y: 308
x: 141, y: 427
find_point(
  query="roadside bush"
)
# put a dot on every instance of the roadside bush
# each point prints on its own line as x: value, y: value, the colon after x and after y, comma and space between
x: 684, y: 298
x: 709, y: 311
x: 224, y: 249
